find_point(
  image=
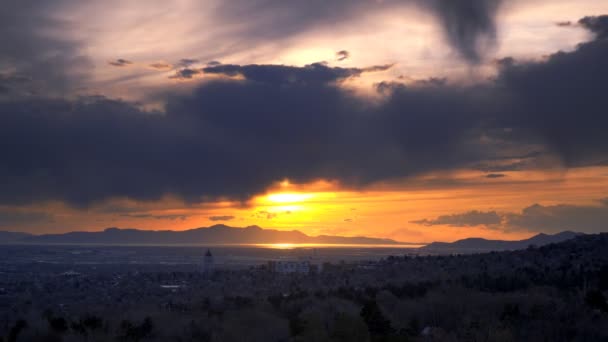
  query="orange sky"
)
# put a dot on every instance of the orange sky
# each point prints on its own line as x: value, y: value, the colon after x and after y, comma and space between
x: 382, y: 210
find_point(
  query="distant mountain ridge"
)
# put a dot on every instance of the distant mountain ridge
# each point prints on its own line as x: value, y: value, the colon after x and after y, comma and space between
x: 8, y: 237
x: 222, y: 234
x: 217, y: 234
x: 479, y: 245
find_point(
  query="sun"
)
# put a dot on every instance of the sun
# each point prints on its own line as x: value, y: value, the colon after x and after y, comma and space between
x: 289, y: 197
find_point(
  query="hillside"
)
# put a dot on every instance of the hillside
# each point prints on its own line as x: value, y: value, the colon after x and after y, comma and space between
x: 217, y: 234
x: 479, y: 245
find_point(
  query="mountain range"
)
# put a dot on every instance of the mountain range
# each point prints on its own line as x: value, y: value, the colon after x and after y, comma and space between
x: 479, y: 245
x: 222, y: 234
x: 217, y: 234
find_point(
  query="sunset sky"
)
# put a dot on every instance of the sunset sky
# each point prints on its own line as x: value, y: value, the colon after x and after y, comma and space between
x: 416, y: 120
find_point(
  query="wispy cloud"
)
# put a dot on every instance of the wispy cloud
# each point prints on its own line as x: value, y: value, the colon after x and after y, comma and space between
x: 120, y: 62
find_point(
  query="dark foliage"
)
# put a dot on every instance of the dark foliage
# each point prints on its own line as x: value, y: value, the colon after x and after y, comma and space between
x: 130, y: 331
x: 19, y: 326
x: 378, y: 325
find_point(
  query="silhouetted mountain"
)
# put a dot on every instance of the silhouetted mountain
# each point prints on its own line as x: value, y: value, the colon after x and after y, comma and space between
x: 478, y: 245
x: 10, y: 237
x: 217, y: 234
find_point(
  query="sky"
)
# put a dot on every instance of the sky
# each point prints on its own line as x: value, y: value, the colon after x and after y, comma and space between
x: 416, y: 120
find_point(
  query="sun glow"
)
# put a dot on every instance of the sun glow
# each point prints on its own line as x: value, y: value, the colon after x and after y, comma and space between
x: 279, y: 245
x: 289, y: 197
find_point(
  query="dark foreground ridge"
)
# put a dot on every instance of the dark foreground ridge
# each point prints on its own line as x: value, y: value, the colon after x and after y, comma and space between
x: 479, y: 245
x: 217, y: 234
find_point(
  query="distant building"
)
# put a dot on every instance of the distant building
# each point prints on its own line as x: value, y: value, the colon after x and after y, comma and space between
x: 285, y: 267
x: 172, y: 288
x: 208, y: 263
x: 71, y: 273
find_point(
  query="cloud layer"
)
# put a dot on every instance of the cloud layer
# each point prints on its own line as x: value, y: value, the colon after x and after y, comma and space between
x: 234, y: 138
x: 469, y: 25
x: 535, y: 218
x: 37, y: 57
x: 471, y: 218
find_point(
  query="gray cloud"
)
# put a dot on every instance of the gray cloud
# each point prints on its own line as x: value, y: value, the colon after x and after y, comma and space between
x: 34, y: 50
x: 574, y: 107
x: 556, y: 218
x: 342, y: 55
x: 10, y: 218
x: 222, y: 218
x: 120, y: 62
x: 160, y: 65
x: 468, y: 219
x: 535, y: 218
x: 185, y: 74
x: 469, y: 25
x: 53, y: 64
x: 186, y: 62
x: 316, y: 73
x: 171, y: 217
x: 597, y: 25
x: 495, y: 175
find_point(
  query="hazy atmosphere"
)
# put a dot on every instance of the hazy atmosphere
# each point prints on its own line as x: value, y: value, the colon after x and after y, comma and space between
x: 303, y: 170
x: 411, y: 120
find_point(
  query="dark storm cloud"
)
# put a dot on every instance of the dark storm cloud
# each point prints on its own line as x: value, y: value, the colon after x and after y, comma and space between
x: 506, y: 163
x: 469, y: 25
x: 557, y: 218
x: 210, y: 145
x: 468, y: 219
x: 9, y: 218
x: 120, y: 62
x: 562, y: 101
x: 597, y: 25
x: 316, y: 73
x: 232, y: 139
x: 185, y: 74
x: 221, y: 218
x: 535, y: 218
x: 33, y: 49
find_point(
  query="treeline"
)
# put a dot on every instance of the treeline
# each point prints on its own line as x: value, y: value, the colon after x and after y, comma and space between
x: 85, y: 327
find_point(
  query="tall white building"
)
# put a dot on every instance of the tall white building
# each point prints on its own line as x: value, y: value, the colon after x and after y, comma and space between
x: 208, y: 263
